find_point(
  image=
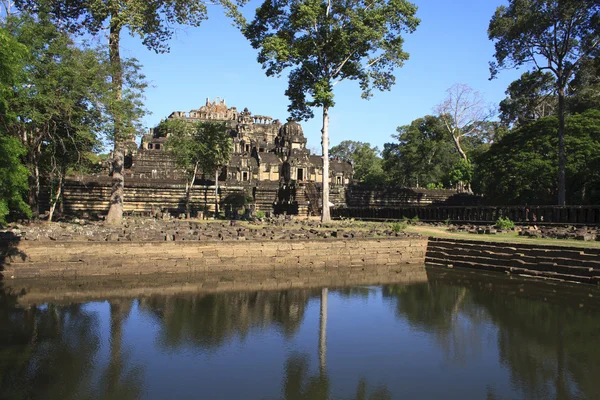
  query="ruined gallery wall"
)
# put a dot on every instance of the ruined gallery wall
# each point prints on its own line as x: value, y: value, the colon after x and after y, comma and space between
x: 75, y: 259
x: 93, y: 196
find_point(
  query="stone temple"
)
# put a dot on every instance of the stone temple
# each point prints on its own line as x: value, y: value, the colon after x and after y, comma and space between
x: 266, y: 155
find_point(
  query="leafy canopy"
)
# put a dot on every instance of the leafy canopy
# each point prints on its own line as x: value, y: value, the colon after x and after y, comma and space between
x: 154, y: 22
x: 325, y: 42
x: 364, y: 158
x: 553, y: 35
x: 521, y: 167
x: 421, y: 155
x: 203, y: 145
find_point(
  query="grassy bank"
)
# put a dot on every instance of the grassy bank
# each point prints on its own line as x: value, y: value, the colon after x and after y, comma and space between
x: 511, y: 237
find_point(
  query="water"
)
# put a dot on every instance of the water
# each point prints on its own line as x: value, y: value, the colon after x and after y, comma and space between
x: 443, y: 335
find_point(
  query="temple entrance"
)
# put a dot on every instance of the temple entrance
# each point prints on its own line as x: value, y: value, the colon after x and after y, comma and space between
x: 300, y: 176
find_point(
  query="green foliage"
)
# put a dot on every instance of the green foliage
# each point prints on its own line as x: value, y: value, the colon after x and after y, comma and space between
x: 422, y: 155
x: 364, y: 158
x: 561, y: 31
x: 505, y: 224
x: 551, y: 35
x: 461, y: 173
x: 64, y: 103
x: 521, y: 168
x: 13, y: 179
x: 410, y: 221
x: 584, y: 88
x: 327, y: 42
x: 154, y: 22
x: 260, y: 214
x: 530, y: 97
x: 447, y: 221
x: 433, y: 186
x: 398, y: 226
x: 12, y: 54
x: 201, y: 146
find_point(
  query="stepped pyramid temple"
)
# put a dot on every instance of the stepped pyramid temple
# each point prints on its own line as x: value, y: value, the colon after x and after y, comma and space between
x: 264, y: 149
x: 270, y: 168
x: 270, y: 164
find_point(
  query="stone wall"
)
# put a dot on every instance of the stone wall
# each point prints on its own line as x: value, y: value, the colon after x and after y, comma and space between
x: 140, y: 197
x: 31, y: 259
x: 547, y: 262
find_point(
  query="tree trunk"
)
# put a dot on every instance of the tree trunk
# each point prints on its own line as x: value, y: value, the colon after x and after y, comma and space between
x: 459, y: 148
x: 34, y: 183
x: 55, y: 200
x: 561, y: 147
x: 216, y: 193
x: 325, y: 216
x: 115, y: 213
x: 323, y: 333
x: 188, y: 192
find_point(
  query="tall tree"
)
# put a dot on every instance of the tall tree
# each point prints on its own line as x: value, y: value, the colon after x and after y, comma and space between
x: 551, y: 35
x: 154, y: 22
x: 464, y: 113
x: 325, y: 42
x: 365, y: 160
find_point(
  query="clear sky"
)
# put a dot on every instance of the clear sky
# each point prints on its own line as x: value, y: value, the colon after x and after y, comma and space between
x: 449, y: 46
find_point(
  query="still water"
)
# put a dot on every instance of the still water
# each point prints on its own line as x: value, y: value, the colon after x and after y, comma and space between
x: 450, y: 335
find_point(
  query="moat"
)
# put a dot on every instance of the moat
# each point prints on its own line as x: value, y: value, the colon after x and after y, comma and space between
x: 421, y: 333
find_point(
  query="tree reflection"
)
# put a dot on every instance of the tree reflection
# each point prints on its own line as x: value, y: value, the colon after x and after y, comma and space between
x: 117, y: 381
x: 46, y: 352
x: 299, y: 384
x: 548, y: 347
x: 209, y: 320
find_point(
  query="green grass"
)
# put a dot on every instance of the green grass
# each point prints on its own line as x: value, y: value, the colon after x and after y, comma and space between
x: 511, y: 237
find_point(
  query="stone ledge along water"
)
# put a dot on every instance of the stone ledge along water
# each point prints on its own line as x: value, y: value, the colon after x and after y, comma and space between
x: 34, y: 259
x: 564, y: 263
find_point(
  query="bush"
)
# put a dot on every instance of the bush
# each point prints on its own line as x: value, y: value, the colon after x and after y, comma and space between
x: 398, y: 226
x: 260, y: 214
x: 505, y: 224
x: 410, y: 221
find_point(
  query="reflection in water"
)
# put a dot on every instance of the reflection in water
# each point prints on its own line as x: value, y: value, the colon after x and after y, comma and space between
x: 46, y: 352
x: 210, y: 320
x: 456, y: 336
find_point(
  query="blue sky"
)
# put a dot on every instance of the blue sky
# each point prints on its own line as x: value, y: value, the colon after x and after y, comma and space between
x: 450, y: 46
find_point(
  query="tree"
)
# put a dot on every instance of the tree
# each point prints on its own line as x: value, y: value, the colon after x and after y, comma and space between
x: 364, y: 158
x: 60, y: 107
x: 154, y: 22
x: 202, y: 146
x: 324, y: 43
x: 521, y: 167
x: 531, y: 97
x: 551, y: 35
x: 463, y: 111
x: 13, y: 174
x: 422, y: 155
